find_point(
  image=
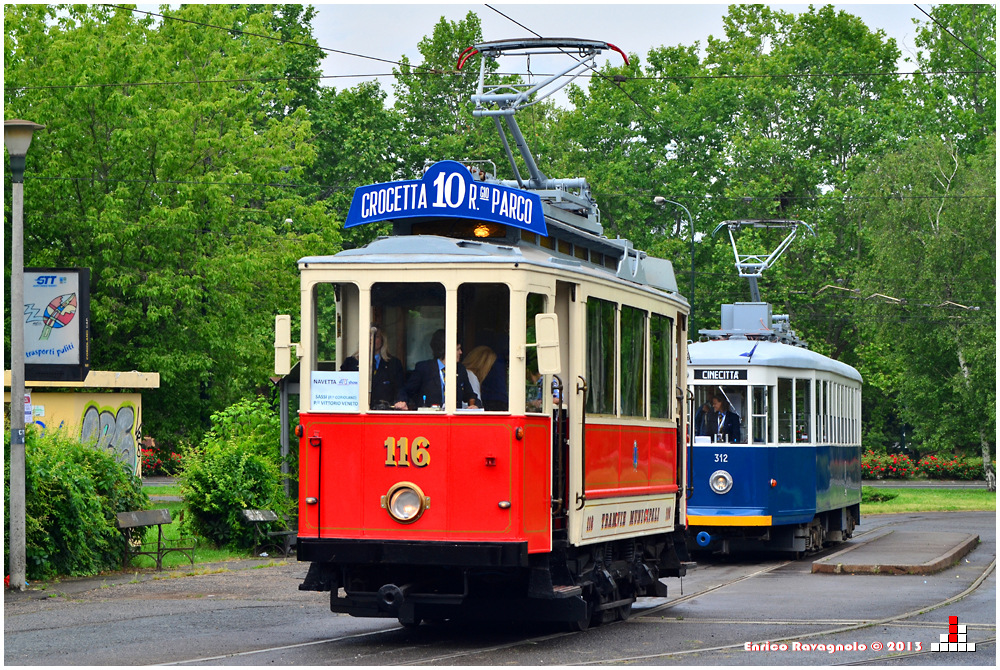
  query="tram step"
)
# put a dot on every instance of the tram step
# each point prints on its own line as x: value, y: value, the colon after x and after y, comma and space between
x: 566, y: 591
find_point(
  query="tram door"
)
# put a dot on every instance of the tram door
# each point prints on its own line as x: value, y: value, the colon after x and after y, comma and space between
x: 564, y: 391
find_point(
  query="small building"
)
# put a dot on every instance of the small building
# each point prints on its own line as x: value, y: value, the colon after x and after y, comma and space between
x: 106, y: 408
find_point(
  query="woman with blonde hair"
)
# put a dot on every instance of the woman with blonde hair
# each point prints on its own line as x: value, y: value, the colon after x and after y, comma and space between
x: 478, y: 363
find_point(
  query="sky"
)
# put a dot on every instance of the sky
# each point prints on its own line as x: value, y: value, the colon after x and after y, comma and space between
x: 390, y: 30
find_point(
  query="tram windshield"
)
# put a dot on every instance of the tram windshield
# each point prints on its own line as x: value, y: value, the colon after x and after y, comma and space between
x: 405, y: 335
x: 720, y: 413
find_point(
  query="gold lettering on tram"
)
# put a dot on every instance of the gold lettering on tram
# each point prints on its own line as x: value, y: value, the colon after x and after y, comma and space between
x: 398, y: 452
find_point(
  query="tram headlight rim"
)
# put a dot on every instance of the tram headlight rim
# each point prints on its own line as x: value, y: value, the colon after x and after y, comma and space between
x: 725, y: 478
x: 394, y: 496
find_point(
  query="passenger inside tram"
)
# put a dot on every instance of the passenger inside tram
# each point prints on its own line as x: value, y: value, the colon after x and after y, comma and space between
x: 387, y: 379
x: 425, y: 386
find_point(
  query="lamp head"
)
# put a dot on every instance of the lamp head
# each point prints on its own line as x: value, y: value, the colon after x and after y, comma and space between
x: 17, y: 138
x: 17, y: 135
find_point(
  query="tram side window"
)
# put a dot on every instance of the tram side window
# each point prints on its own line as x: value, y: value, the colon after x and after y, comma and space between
x: 786, y: 409
x: 484, y: 333
x: 661, y: 330
x: 632, y: 360
x: 534, y: 382
x: 335, y: 325
x: 761, y: 410
x: 821, y: 391
x: 407, y: 316
x: 803, y: 404
x: 600, y: 352
x: 326, y: 325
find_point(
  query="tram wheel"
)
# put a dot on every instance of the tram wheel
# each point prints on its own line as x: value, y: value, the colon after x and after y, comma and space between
x: 624, y: 612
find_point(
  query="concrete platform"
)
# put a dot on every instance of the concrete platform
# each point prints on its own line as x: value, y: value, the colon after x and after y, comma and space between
x: 899, y: 553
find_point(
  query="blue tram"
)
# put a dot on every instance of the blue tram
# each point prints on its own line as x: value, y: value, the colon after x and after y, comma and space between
x: 775, y: 435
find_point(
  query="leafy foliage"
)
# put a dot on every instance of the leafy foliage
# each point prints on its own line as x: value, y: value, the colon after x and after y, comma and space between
x: 159, y: 461
x: 192, y: 201
x: 886, y: 466
x: 72, y: 493
x: 236, y: 467
x: 944, y: 467
x: 172, y: 194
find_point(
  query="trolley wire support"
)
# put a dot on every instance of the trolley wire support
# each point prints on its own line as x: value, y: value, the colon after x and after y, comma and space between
x: 503, y: 100
x: 752, y: 266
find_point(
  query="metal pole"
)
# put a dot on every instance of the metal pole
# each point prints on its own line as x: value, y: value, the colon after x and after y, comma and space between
x: 17, y: 504
x: 17, y: 138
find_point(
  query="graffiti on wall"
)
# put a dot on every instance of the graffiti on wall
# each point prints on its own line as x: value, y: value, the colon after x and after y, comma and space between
x: 113, y: 430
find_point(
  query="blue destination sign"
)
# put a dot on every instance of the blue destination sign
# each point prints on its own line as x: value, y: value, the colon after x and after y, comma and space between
x: 447, y: 189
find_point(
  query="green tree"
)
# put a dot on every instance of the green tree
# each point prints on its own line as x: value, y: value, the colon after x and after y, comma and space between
x: 957, y: 45
x: 358, y: 140
x: 178, y: 193
x: 931, y: 244
x: 434, y: 101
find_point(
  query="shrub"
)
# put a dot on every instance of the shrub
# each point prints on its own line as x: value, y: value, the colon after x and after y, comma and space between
x: 72, y: 493
x: 951, y: 467
x: 160, y: 462
x: 869, y: 496
x: 236, y: 467
x: 884, y: 466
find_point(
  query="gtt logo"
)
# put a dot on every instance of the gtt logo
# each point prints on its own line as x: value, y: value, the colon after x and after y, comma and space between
x: 45, y: 280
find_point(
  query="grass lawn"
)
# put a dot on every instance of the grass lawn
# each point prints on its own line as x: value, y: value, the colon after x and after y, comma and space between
x: 896, y: 501
x: 171, y: 490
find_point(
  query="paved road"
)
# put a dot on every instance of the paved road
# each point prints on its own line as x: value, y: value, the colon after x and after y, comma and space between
x: 251, y: 613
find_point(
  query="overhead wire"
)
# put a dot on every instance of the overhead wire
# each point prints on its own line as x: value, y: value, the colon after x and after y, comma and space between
x: 960, y: 40
x: 618, y: 80
x: 239, y: 31
x: 349, y: 186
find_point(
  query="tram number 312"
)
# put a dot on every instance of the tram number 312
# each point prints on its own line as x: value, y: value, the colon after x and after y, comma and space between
x: 398, y: 452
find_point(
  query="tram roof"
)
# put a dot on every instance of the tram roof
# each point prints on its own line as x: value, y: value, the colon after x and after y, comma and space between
x: 767, y: 354
x: 419, y: 249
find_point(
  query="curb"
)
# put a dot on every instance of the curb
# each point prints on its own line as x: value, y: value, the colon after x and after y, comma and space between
x: 70, y: 586
x: 829, y: 565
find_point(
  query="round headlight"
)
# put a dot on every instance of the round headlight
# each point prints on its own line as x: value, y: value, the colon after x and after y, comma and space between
x: 405, y: 502
x: 720, y: 481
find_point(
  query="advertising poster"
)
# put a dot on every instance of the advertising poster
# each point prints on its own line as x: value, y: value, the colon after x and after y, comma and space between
x: 57, y: 323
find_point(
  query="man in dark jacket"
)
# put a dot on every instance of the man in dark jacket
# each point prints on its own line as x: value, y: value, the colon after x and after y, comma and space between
x: 425, y: 385
x: 727, y: 422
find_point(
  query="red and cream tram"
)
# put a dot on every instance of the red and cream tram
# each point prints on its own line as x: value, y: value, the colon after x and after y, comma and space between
x: 552, y: 489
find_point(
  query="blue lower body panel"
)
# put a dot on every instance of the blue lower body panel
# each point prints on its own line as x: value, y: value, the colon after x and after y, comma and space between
x: 772, y: 485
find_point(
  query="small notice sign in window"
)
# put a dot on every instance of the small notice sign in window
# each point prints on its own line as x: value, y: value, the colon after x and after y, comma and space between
x: 334, y: 391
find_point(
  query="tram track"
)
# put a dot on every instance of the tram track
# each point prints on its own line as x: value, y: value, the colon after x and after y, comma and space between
x: 820, y: 633
x: 826, y: 628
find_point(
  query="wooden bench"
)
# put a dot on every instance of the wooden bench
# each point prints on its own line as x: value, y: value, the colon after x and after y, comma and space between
x: 259, y: 517
x: 145, y: 519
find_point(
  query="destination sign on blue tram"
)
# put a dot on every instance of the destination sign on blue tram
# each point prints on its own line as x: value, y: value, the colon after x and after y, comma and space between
x: 447, y: 189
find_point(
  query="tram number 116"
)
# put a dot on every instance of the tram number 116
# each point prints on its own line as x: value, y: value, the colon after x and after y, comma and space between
x: 402, y: 454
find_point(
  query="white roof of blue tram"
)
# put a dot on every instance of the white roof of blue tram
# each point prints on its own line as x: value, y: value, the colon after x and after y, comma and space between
x: 767, y: 354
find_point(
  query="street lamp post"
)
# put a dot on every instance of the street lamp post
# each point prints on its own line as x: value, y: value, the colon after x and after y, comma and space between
x: 17, y: 138
x: 659, y: 200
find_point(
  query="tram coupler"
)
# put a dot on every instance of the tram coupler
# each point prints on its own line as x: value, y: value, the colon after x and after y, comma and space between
x: 391, y: 597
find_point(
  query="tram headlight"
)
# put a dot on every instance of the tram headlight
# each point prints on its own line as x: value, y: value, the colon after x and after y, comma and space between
x: 405, y: 502
x: 720, y: 481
